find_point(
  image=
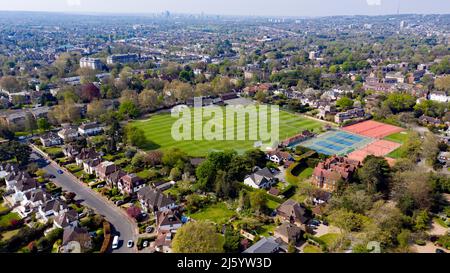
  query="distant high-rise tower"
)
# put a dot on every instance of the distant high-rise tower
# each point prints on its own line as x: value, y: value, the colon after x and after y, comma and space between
x: 402, y: 24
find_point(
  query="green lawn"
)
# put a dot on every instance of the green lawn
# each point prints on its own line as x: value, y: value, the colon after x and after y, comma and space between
x: 157, y: 131
x: 396, y: 154
x: 272, y: 205
x: 6, y: 219
x: 311, y: 249
x: 9, y: 234
x: 306, y: 173
x: 329, y: 238
x: 398, y: 137
x: 217, y: 213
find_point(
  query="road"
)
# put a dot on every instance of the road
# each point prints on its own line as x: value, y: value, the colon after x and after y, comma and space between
x: 122, y: 225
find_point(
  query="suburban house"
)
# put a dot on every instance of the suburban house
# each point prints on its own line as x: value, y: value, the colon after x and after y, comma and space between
x: 279, y: 157
x: 50, y: 139
x: 439, y: 96
x: 265, y: 245
x: 288, y: 233
x: 51, y: 208
x: 66, y: 219
x: 328, y: 173
x: 130, y: 184
x: 153, y: 200
x: 167, y: 221
x: 426, y: 120
x: 349, y: 115
x: 261, y: 179
x: 90, y: 129
x: 76, y: 240
x: 112, y: 180
x: 31, y: 201
x: 70, y: 151
x: 292, y: 212
x: 13, y: 177
x: 105, y: 168
x: 90, y: 165
x: 69, y: 133
x: 86, y: 154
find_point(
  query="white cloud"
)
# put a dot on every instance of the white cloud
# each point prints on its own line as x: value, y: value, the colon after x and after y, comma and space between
x: 74, y: 3
x: 373, y: 2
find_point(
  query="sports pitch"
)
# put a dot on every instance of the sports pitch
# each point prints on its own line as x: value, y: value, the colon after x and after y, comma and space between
x: 157, y: 131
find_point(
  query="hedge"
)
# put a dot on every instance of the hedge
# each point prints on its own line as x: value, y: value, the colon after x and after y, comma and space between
x: 106, y: 237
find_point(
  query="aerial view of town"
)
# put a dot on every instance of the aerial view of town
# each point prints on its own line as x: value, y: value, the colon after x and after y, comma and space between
x: 191, y: 130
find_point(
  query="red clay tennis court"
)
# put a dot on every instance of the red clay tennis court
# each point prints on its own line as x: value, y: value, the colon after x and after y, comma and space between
x: 377, y: 148
x: 373, y: 129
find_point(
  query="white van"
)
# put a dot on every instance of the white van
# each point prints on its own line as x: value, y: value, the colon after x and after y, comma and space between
x: 115, y: 243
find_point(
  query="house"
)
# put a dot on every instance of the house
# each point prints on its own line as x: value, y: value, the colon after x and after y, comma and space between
x: 105, y: 168
x: 163, y: 242
x: 13, y: 177
x: 439, y: 96
x: 294, y: 213
x: 52, y: 208
x: 86, y: 154
x: 90, y: 165
x: 349, y: 115
x: 31, y: 201
x: 50, y: 139
x: 154, y: 200
x: 167, y: 221
x: 289, y: 233
x: 130, y: 184
x: 112, y: 180
x: 68, y: 134
x: 90, y: 129
x: 265, y: 245
x: 328, y: 173
x: 261, y: 179
x: 279, y: 157
x: 66, y: 219
x: 70, y: 151
x: 426, y: 120
x: 80, y: 235
x: 297, y: 139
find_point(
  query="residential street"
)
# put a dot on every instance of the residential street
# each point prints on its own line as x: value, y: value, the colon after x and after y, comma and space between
x: 122, y: 225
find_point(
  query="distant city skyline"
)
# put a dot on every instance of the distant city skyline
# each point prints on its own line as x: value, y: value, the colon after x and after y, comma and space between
x: 300, y: 8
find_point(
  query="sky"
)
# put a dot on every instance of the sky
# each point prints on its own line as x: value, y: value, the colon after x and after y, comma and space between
x: 235, y: 7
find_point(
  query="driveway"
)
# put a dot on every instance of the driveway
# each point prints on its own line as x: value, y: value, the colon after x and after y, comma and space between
x: 121, y: 223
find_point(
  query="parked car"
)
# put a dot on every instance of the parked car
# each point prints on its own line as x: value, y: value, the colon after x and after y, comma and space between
x: 149, y: 229
x: 60, y: 172
x: 315, y: 222
x: 100, y: 186
x: 130, y: 243
x: 115, y: 243
x: 145, y: 244
x: 119, y: 202
x: 438, y: 250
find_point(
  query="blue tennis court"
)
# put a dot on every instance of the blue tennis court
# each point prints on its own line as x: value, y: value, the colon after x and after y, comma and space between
x: 337, y: 142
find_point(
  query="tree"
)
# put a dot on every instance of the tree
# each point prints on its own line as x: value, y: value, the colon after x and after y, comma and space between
x: 154, y: 157
x: 135, y: 136
x: 346, y: 220
x: 43, y: 124
x: 260, y: 96
x: 430, y: 148
x: 10, y: 84
x: 258, y: 201
x: 129, y: 109
x: 232, y: 241
x: 344, y: 103
x: 197, y: 237
x: 89, y: 92
x: 399, y: 102
x: 421, y: 220
x: 30, y: 123
x: 442, y: 83
x: 95, y: 109
x: 133, y: 212
x: 148, y: 100
x: 404, y: 238
x: 374, y: 174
